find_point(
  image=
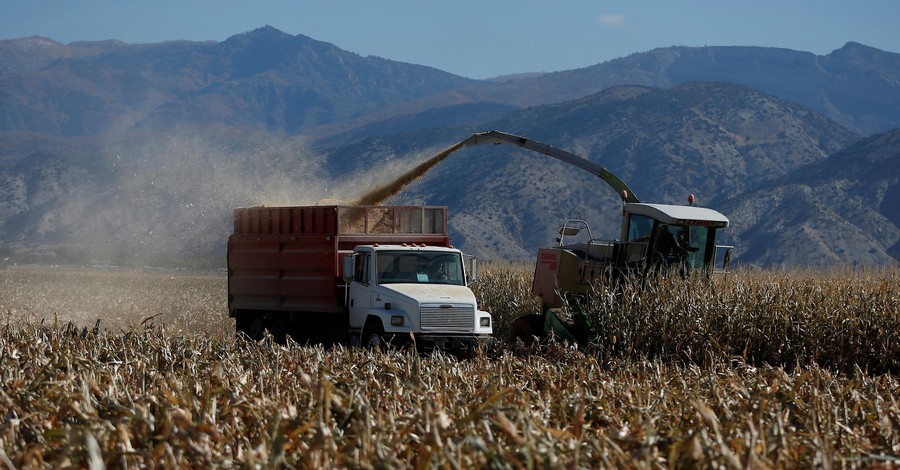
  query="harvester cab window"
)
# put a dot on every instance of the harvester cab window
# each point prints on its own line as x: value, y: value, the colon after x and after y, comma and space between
x: 695, y: 238
x: 681, y: 244
x: 639, y: 228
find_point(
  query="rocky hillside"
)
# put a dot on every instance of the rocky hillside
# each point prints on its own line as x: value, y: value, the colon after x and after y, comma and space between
x: 844, y: 209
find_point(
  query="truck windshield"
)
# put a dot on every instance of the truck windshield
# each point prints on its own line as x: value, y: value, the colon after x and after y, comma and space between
x: 419, y: 267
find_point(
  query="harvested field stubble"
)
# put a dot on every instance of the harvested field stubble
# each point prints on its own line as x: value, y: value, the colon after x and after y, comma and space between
x: 183, y: 392
x: 120, y: 299
x: 145, y: 397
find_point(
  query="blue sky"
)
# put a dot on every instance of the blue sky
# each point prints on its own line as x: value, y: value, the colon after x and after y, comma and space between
x: 477, y: 39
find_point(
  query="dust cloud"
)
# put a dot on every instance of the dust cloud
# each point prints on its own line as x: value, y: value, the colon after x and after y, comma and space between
x: 167, y: 200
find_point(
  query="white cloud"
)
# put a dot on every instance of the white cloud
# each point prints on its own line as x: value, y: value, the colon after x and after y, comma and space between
x: 610, y: 20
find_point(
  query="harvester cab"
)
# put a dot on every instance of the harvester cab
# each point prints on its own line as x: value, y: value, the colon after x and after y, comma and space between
x: 654, y: 238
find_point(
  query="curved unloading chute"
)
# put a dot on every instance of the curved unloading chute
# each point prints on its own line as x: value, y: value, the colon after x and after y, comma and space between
x: 378, y: 195
x: 498, y: 137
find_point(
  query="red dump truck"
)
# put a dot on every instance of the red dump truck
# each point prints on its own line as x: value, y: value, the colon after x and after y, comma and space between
x: 357, y: 275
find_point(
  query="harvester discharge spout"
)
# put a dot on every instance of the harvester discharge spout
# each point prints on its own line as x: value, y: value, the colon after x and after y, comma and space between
x: 498, y: 137
x: 382, y: 193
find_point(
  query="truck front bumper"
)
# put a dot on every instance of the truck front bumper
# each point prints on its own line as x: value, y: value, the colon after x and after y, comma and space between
x: 453, y: 343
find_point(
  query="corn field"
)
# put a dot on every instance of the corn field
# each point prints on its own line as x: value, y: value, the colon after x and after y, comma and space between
x: 841, y: 320
x: 756, y: 369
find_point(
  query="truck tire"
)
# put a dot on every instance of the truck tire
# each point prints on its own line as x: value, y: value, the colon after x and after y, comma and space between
x: 373, y: 335
x: 257, y: 329
x: 278, y: 328
x: 246, y: 325
x: 241, y: 323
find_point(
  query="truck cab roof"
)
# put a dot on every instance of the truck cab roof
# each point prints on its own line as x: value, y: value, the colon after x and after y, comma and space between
x: 404, y: 247
x: 679, y: 215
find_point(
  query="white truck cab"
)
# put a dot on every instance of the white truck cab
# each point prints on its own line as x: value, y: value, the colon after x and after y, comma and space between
x: 403, y: 293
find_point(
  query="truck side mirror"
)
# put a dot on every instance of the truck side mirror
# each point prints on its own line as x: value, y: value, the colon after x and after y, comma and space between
x: 473, y: 268
x: 349, y: 268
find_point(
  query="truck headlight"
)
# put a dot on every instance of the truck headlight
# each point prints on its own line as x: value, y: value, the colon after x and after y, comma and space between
x: 485, y: 321
x: 397, y: 320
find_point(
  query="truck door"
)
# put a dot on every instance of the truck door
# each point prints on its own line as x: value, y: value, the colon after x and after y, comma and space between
x: 359, y: 299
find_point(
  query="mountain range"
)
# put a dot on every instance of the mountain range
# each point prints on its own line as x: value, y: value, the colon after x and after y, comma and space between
x: 121, y: 153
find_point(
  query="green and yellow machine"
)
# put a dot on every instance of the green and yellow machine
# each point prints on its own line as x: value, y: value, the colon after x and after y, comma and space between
x: 653, y: 238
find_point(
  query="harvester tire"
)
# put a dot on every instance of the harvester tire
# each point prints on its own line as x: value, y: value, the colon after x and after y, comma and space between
x: 529, y: 329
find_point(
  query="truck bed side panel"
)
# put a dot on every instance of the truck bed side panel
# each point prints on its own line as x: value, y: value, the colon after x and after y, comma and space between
x: 283, y: 273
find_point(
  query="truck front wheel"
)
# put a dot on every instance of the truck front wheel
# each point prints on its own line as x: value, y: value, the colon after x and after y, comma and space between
x: 373, y: 335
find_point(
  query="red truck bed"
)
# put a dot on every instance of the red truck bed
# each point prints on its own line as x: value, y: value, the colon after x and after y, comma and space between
x: 290, y: 258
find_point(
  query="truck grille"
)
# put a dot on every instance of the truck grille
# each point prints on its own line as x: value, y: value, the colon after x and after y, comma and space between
x: 456, y: 318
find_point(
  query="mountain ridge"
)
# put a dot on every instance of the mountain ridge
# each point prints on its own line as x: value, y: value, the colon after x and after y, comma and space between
x: 129, y: 152
x: 829, y: 92
x: 263, y: 78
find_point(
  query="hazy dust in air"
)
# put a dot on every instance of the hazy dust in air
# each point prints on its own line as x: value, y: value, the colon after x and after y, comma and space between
x: 168, y: 199
x: 171, y: 197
